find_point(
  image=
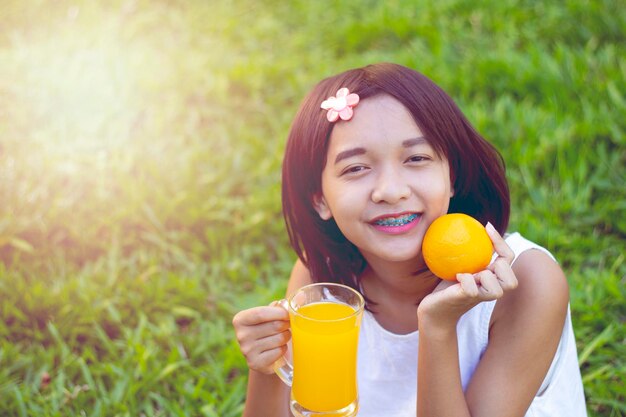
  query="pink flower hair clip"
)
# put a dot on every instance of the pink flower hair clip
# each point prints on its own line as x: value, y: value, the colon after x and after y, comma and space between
x: 341, y: 105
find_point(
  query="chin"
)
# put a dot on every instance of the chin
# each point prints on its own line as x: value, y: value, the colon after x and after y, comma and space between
x: 398, y: 256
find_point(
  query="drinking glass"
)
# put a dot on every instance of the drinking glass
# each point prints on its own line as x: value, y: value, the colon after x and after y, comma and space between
x: 325, y: 319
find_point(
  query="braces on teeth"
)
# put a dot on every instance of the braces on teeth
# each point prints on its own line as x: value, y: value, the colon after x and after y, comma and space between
x: 397, y: 222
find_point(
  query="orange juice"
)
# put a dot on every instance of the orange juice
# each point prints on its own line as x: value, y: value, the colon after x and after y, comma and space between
x: 325, y: 337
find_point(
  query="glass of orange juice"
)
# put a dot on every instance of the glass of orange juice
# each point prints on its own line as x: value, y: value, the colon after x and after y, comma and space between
x: 325, y: 319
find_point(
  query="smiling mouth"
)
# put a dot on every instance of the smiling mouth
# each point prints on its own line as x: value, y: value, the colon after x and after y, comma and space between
x: 396, y: 221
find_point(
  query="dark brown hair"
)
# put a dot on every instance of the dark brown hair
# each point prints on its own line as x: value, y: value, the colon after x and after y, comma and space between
x: 476, y: 167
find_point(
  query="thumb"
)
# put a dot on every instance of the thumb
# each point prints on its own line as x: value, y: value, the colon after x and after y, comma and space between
x: 444, y: 284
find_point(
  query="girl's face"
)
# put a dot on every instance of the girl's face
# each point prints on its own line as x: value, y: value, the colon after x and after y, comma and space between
x: 383, y: 182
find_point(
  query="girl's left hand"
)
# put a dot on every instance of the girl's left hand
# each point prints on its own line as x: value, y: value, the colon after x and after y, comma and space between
x: 450, y: 300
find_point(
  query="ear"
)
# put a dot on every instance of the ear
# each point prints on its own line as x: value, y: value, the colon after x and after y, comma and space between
x: 319, y: 203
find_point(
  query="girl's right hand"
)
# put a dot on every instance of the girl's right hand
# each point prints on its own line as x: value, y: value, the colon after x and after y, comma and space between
x: 262, y: 333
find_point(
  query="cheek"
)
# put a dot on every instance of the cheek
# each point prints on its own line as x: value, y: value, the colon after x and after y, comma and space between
x: 437, y: 190
x: 446, y: 180
x: 341, y: 204
x: 346, y: 206
x: 342, y: 195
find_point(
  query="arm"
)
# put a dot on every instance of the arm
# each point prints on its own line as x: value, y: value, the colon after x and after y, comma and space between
x: 262, y: 333
x: 525, y: 330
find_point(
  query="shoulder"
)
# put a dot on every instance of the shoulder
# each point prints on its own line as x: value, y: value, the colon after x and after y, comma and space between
x: 542, y: 283
x: 300, y: 276
x: 540, y: 277
x: 542, y: 296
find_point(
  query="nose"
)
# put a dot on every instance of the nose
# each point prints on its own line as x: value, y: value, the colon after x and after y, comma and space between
x: 390, y: 187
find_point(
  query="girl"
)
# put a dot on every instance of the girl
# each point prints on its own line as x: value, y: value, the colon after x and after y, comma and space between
x: 365, y: 173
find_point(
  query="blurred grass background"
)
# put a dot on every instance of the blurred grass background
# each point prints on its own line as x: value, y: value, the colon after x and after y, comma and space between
x: 140, y: 152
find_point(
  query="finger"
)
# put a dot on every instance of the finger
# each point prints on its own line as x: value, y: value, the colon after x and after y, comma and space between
x: 489, y: 288
x: 504, y: 273
x: 264, y: 362
x: 258, y: 315
x: 274, y: 341
x: 468, y: 284
x: 251, y: 334
x: 502, y: 249
x: 284, y: 304
x: 253, y: 347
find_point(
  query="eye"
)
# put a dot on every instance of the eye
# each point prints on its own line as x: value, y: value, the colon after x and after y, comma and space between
x: 417, y: 158
x: 353, y: 169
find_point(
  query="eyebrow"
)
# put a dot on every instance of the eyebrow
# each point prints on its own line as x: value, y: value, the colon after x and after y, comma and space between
x: 349, y: 153
x: 360, y: 151
x: 414, y: 141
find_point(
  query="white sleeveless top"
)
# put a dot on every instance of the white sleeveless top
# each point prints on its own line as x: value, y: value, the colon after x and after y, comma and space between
x: 387, y: 363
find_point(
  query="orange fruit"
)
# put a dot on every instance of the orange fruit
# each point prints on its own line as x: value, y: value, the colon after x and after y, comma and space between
x: 456, y: 243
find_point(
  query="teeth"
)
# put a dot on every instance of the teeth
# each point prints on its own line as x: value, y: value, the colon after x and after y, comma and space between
x: 397, y: 221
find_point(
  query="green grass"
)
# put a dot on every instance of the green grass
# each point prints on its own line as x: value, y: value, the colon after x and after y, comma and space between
x: 140, y: 153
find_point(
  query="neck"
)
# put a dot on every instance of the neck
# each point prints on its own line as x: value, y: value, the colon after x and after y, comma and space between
x: 395, y: 294
x: 404, y: 282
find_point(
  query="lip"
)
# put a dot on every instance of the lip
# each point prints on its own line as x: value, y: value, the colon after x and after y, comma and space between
x: 396, y: 230
x: 387, y: 215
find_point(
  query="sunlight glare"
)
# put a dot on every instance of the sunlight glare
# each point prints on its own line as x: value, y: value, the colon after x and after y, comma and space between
x: 80, y: 96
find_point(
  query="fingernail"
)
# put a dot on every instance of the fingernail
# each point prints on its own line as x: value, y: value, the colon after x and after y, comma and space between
x: 490, y: 228
x: 280, y: 303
